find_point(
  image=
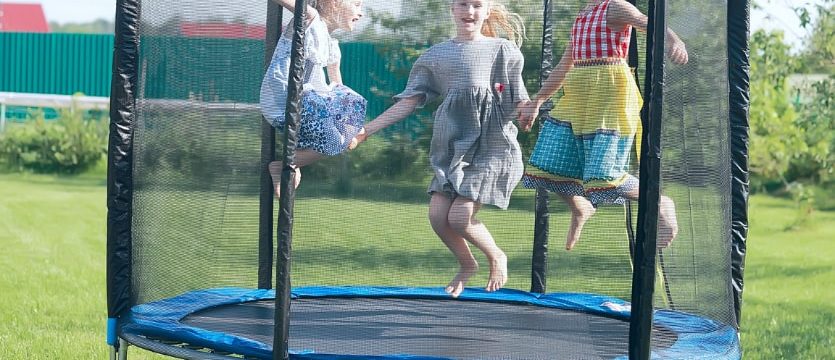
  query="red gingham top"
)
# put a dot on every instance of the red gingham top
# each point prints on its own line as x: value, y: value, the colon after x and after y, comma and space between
x: 591, y: 38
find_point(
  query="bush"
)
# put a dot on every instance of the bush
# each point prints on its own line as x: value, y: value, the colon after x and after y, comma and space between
x: 67, y: 145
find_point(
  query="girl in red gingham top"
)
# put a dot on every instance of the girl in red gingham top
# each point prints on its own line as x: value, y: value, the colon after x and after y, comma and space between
x: 593, y: 39
x: 583, y: 149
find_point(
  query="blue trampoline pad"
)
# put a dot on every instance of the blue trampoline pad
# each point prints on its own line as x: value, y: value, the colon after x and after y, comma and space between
x: 417, y: 323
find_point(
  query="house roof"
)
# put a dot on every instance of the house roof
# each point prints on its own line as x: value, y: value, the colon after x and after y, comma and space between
x: 222, y: 30
x: 22, y: 18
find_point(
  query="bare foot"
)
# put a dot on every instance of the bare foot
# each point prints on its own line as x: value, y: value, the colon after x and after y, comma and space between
x: 275, y: 174
x: 667, y: 222
x: 580, y: 213
x: 456, y: 286
x: 498, y: 272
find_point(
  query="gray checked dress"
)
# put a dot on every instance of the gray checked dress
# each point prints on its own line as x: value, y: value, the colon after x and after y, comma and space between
x: 474, y: 152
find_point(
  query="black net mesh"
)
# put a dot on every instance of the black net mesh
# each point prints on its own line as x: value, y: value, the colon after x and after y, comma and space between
x: 361, y: 218
x: 695, y: 166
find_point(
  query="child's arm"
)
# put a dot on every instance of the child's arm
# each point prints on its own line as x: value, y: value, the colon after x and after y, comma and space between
x: 287, y: 4
x: 399, y: 111
x: 622, y: 13
x: 334, y: 74
x: 290, y: 5
x: 549, y: 87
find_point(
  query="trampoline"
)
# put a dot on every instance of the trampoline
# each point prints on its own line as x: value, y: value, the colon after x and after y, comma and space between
x: 371, y: 322
x: 199, y: 250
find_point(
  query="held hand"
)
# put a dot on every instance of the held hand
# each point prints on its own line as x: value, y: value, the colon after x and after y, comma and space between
x: 677, y: 52
x: 361, y: 136
x: 526, y: 114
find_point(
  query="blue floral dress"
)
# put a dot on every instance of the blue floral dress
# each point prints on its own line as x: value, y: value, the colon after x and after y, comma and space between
x: 330, y: 115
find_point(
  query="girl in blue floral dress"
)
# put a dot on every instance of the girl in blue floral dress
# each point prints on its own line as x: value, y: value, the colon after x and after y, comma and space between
x: 331, y: 114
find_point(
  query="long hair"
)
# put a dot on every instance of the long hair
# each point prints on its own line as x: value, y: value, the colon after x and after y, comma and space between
x: 502, y: 21
x: 327, y: 8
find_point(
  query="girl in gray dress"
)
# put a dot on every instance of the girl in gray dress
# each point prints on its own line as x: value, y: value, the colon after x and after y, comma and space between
x: 474, y: 153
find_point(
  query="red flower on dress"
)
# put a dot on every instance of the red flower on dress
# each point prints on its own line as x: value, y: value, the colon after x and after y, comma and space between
x: 499, y: 87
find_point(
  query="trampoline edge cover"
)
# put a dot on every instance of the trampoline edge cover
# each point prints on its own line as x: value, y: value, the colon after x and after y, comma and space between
x: 697, y: 337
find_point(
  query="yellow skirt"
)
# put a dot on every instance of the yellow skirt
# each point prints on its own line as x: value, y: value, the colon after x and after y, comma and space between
x: 601, y: 97
x: 591, y: 132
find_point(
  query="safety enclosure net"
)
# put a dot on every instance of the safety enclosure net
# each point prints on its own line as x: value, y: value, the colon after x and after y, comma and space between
x: 380, y: 231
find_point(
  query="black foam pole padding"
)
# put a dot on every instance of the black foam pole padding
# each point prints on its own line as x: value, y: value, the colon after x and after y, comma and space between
x: 547, y: 52
x: 643, y: 278
x: 539, y: 257
x: 632, y: 59
x: 120, y: 157
x: 738, y: 111
x: 265, y: 209
x: 539, y: 260
x: 292, y: 113
x: 630, y: 230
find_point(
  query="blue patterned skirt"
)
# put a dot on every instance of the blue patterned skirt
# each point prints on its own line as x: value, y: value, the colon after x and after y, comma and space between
x: 329, y: 119
x: 594, y: 165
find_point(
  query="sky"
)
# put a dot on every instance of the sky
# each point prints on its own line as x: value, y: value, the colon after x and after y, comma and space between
x: 775, y: 14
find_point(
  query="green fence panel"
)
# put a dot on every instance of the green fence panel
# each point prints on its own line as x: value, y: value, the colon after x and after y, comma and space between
x: 209, y: 69
x: 61, y: 64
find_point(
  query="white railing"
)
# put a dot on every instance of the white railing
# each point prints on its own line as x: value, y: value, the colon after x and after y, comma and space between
x: 72, y: 102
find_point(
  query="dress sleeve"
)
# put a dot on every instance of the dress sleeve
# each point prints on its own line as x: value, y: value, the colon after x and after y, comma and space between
x: 421, y: 82
x: 334, y: 54
x: 317, y: 40
x: 515, y: 62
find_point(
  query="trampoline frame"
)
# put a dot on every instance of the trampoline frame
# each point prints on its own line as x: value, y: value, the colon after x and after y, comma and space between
x: 162, y: 319
x: 120, y: 176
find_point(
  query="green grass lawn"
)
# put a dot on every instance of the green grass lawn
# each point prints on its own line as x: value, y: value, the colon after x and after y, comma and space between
x: 52, y: 274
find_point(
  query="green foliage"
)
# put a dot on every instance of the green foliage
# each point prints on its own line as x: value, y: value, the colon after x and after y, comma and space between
x: 792, y: 147
x: 98, y: 26
x: 793, y: 142
x: 817, y: 122
x: 397, y: 157
x: 804, y: 200
x: 69, y: 145
x: 423, y: 23
x: 184, y: 148
x: 776, y: 139
x: 819, y: 54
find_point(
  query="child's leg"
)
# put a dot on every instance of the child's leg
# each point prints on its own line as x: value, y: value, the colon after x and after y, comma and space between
x: 462, y: 219
x: 667, y: 222
x: 438, y: 216
x: 581, y: 211
x: 304, y: 157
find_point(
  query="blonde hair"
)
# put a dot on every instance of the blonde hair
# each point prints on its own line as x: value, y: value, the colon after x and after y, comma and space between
x: 503, y: 21
x: 326, y: 8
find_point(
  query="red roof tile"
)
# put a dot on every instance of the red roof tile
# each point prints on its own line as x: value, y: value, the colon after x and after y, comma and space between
x: 222, y: 30
x: 22, y: 18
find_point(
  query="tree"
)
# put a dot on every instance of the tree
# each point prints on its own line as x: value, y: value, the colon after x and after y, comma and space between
x: 775, y: 137
x: 816, y: 117
x: 819, y: 54
x: 99, y: 26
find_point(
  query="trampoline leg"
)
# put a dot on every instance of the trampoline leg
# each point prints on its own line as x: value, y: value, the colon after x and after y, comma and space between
x: 123, y: 349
